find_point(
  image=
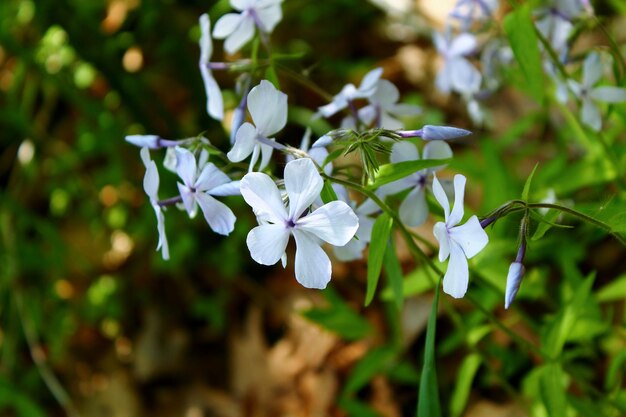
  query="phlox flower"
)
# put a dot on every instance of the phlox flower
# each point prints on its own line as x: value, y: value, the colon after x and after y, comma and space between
x: 238, y: 28
x: 470, y: 11
x: 201, y: 183
x: 334, y: 223
x: 457, y: 73
x: 353, y: 250
x: 350, y: 92
x: 588, y: 94
x: 268, y: 109
x: 460, y: 243
x: 414, y: 209
x: 151, y: 187
x: 555, y: 20
x: 318, y: 153
x: 215, y: 102
x: 383, y: 108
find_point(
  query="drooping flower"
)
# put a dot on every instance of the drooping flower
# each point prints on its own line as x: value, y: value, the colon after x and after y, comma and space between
x: 238, y: 28
x: 460, y: 243
x: 383, y: 108
x: 588, y: 94
x: 414, y: 209
x: 457, y: 73
x: 334, y: 223
x: 201, y: 183
x: 215, y: 102
x: 350, y: 92
x: 151, y: 187
x: 268, y: 109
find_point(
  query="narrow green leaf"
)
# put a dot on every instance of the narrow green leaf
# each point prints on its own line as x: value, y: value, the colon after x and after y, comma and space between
x: 613, y: 291
x: 392, y: 172
x: 333, y: 155
x: 519, y: 28
x: 378, y: 244
x: 428, y: 396
x: 357, y: 408
x: 464, y: 379
x: 339, y: 318
x: 529, y: 180
x: 393, y: 271
x: 271, y: 76
x: 553, y: 390
x: 328, y: 194
x: 372, y: 364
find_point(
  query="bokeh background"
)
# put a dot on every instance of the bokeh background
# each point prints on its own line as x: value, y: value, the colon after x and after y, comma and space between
x: 95, y: 323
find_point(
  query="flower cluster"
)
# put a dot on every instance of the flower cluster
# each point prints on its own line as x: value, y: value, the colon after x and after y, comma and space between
x: 372, y: 124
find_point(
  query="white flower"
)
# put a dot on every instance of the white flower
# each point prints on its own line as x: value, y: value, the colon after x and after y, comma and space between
x: 354, y: 248
x: 268, y: 109
x: 384, y: 107
x: 470, y: 11
x: 334, y: 222
x: 151, y: 187
x: 414, y: 209
x: 588, y: 94
x: 215, y: 102
x: 318, y: 153
x: 238, y: 28
x: 459, y: 242
x: 349, y: 93
x: 198, y: 188
x: 457, y: 74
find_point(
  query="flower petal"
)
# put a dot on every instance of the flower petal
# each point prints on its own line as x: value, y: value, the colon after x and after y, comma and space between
x: 404, y: 151
x: 334, y: 223
x: 456, y: 279
x: 459, y: 193
x: 303, y: 184
x: 266, y: 155
x: 441, y: 234
x: 386, y: 94
x: 269, y: 17
x: 228, y: 189
x: 471, y: 237
x: 267, y: 243
x: 591, y: 115
x: 413, y: 209
x: 206, y: 43
x: 608, y: 94
x: 513, y: 281
x: 261, y: 193
x: 313, y: 268
x: 217, y: 214
x: 186, y: 166
x: 241, y: 36
x: 210, y: 177
x: 226, y: 25
x: 214, y: 100
x: 441, y: 197
x: 437, y: 150
x: 464, y: 76
x: 351, y: 251
x: 592, y: 69
x: 463, y: 44
x: 268, y: 108
x: 163, y: 245
x: 189, y: 199
x: 148, y: 141
x: 244, y: 143
x: 369, y: 83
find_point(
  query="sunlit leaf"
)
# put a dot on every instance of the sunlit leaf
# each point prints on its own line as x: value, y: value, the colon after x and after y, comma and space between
x: 428, y: 396
x: 378, y: 245
x: 392, y: 172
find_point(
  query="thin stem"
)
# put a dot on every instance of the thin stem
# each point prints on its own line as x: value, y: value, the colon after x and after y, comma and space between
x: 170, y: 201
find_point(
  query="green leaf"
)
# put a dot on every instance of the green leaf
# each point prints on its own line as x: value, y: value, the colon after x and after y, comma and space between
x: 373, y: 363
x: 552, y: 390
x: 339, y: 318
x: 464, y: 379
x: 613, y: 291
x: 428, y: 396
x: 519, y: 28
x: 526, y: 190
x: 393, y: 270
x: 328, y: 194
x: 332, y: 156
x: 392, y: 172
x: 356, y: 408
x: 380, y: 235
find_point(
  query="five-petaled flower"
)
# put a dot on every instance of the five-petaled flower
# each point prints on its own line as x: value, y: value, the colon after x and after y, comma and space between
x: 268, y: 108
x: 238, y: 28
x: 350, y: 92
x: 151, y: 187
x: 334, y: 223
x: 460, y: 243
x: 200, y: 185
x: 457, y: 73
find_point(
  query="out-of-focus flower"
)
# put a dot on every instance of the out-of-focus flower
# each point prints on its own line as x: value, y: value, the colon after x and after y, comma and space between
x: 457, y: 73
x: 214, y: 100
x: 238, y: 28
x: 350, y: 92
x: 384, y: 108
x: 469, y: 12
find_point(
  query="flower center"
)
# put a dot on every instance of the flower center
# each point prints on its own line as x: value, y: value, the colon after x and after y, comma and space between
x: 290, y: 224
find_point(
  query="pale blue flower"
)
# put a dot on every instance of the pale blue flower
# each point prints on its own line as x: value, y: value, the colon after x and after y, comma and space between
x: 460, y: 243
x: 238, y: 28
x: 383, y: 109
x: 201, y: 183
x: 215, y: 102
x: 350, y: 92
x: 471, y: 11
x: 457, y: 73
x: 334, y: 223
